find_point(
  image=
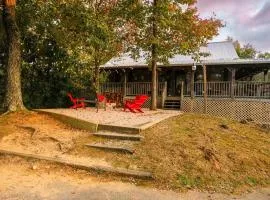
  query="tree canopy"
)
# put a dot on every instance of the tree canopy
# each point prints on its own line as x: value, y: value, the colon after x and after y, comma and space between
x: 163, y: 28
x: 180, y: 30
x: 265, y: 55
x: 244, y: 51
x: 65, y: 41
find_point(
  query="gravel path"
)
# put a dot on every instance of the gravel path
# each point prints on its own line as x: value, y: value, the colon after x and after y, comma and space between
x: 118, y: 117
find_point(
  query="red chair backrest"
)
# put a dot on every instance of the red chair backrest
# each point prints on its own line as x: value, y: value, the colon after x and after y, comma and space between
x: 100, y: 97
x: 140, y: 99
x: 71, y: 97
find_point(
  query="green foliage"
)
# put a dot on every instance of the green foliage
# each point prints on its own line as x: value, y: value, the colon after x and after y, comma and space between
x: 265, y: 55
x: 86, y: 29
x: 188, y: 181
x: 179, y: 28
x: 63, y: 41
x: 49, y: 71
x: 246, y: 51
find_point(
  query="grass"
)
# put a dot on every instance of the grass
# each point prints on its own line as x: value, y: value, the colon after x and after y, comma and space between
x: 203, y: 152
x: 191, y: 151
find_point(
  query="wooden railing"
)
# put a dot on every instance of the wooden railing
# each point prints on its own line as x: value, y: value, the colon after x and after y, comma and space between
x: 132, y: 88
x: 214, y: 89
x: 252, y: 89
x: 240, y: 89
x: 114, y: 87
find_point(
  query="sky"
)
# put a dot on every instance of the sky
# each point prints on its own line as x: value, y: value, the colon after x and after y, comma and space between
x: 245, y: 20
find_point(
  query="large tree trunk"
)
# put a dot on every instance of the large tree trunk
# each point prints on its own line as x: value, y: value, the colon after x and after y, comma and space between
x: 154, y: 79
x: 154, y: 63
x: 96, y: 79
x: 13, y: 98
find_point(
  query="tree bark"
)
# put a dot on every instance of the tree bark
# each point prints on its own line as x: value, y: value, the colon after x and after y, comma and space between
x: 13, y: 98
x: 96, y: 79
x: 154, y: 62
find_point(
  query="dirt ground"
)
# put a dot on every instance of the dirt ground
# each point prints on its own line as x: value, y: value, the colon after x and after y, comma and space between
x: 226, y: 156
x: 40, y: 134
x: 32, y: 180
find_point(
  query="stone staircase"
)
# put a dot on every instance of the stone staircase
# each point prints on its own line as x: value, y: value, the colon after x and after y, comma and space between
x: 116, y: 141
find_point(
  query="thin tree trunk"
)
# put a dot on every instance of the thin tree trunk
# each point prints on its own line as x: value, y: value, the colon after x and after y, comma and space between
x: 13, y: 98
x: 96, y: 82
x: 154, y: 62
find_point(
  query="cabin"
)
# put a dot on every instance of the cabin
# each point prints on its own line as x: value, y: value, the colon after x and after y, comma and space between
x: 220, y: 76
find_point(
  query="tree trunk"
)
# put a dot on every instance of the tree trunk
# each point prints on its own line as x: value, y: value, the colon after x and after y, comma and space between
x: 13, y: 98
x: 96, y: 83
x: 96, y: 79
x: 154, y: 62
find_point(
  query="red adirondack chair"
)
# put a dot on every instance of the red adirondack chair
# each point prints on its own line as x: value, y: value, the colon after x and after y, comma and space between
x: 135, y: 104
x: 101, y: 99
x: 77, y: 102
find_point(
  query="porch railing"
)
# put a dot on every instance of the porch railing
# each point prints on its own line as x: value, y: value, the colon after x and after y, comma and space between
x: 225, y: 89
x: 252, y: 89
x: 239, y: 89
x: 132, y: 88
x: 115, y: 87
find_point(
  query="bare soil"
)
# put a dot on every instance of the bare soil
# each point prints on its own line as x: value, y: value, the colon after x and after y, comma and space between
x: 31, y: 132
x: 36, y: 180
x: 185, y: 152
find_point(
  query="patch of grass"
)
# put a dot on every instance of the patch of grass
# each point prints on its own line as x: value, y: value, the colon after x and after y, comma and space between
x: 251, y: 181
x: 208, y: 153
x: 188, y: 181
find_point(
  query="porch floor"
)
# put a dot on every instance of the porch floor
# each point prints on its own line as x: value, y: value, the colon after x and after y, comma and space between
x: 117, y: 117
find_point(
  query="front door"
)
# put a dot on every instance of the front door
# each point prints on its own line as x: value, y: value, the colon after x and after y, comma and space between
x: 174, y: 79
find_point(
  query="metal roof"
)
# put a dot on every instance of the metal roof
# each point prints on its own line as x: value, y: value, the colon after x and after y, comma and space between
x: 220, y: 53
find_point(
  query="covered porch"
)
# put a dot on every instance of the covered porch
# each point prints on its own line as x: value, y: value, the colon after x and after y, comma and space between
x: 226, y: 80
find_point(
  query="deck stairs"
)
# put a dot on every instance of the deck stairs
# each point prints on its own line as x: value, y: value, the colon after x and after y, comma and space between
x: 172, y: 104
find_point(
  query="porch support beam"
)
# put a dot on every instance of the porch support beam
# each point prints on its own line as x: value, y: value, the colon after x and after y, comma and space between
x: 205, y: 88
x: 192, y: 79
x: 125, y: 84
x: 232, y: 80
x: 266, y: 75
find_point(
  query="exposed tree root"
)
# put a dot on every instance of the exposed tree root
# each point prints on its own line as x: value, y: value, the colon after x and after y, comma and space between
x: 6, y: 113
x: 31, y: 129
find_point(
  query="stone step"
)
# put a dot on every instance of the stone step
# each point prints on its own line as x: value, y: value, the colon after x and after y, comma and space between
x: 118, y: 136
x: 111, y: 147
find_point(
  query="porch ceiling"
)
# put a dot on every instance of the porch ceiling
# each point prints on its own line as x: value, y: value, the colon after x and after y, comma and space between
x: 221, y: 63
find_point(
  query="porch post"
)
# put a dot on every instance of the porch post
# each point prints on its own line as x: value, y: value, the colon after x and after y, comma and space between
x: 266, y: 75
x: 188, y: 80
x: 192, y: 94
x: 205, y: 88
x: 164, y: 94
x: 182, y: 95
x: 232, y: 79
x: 125, y: 84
